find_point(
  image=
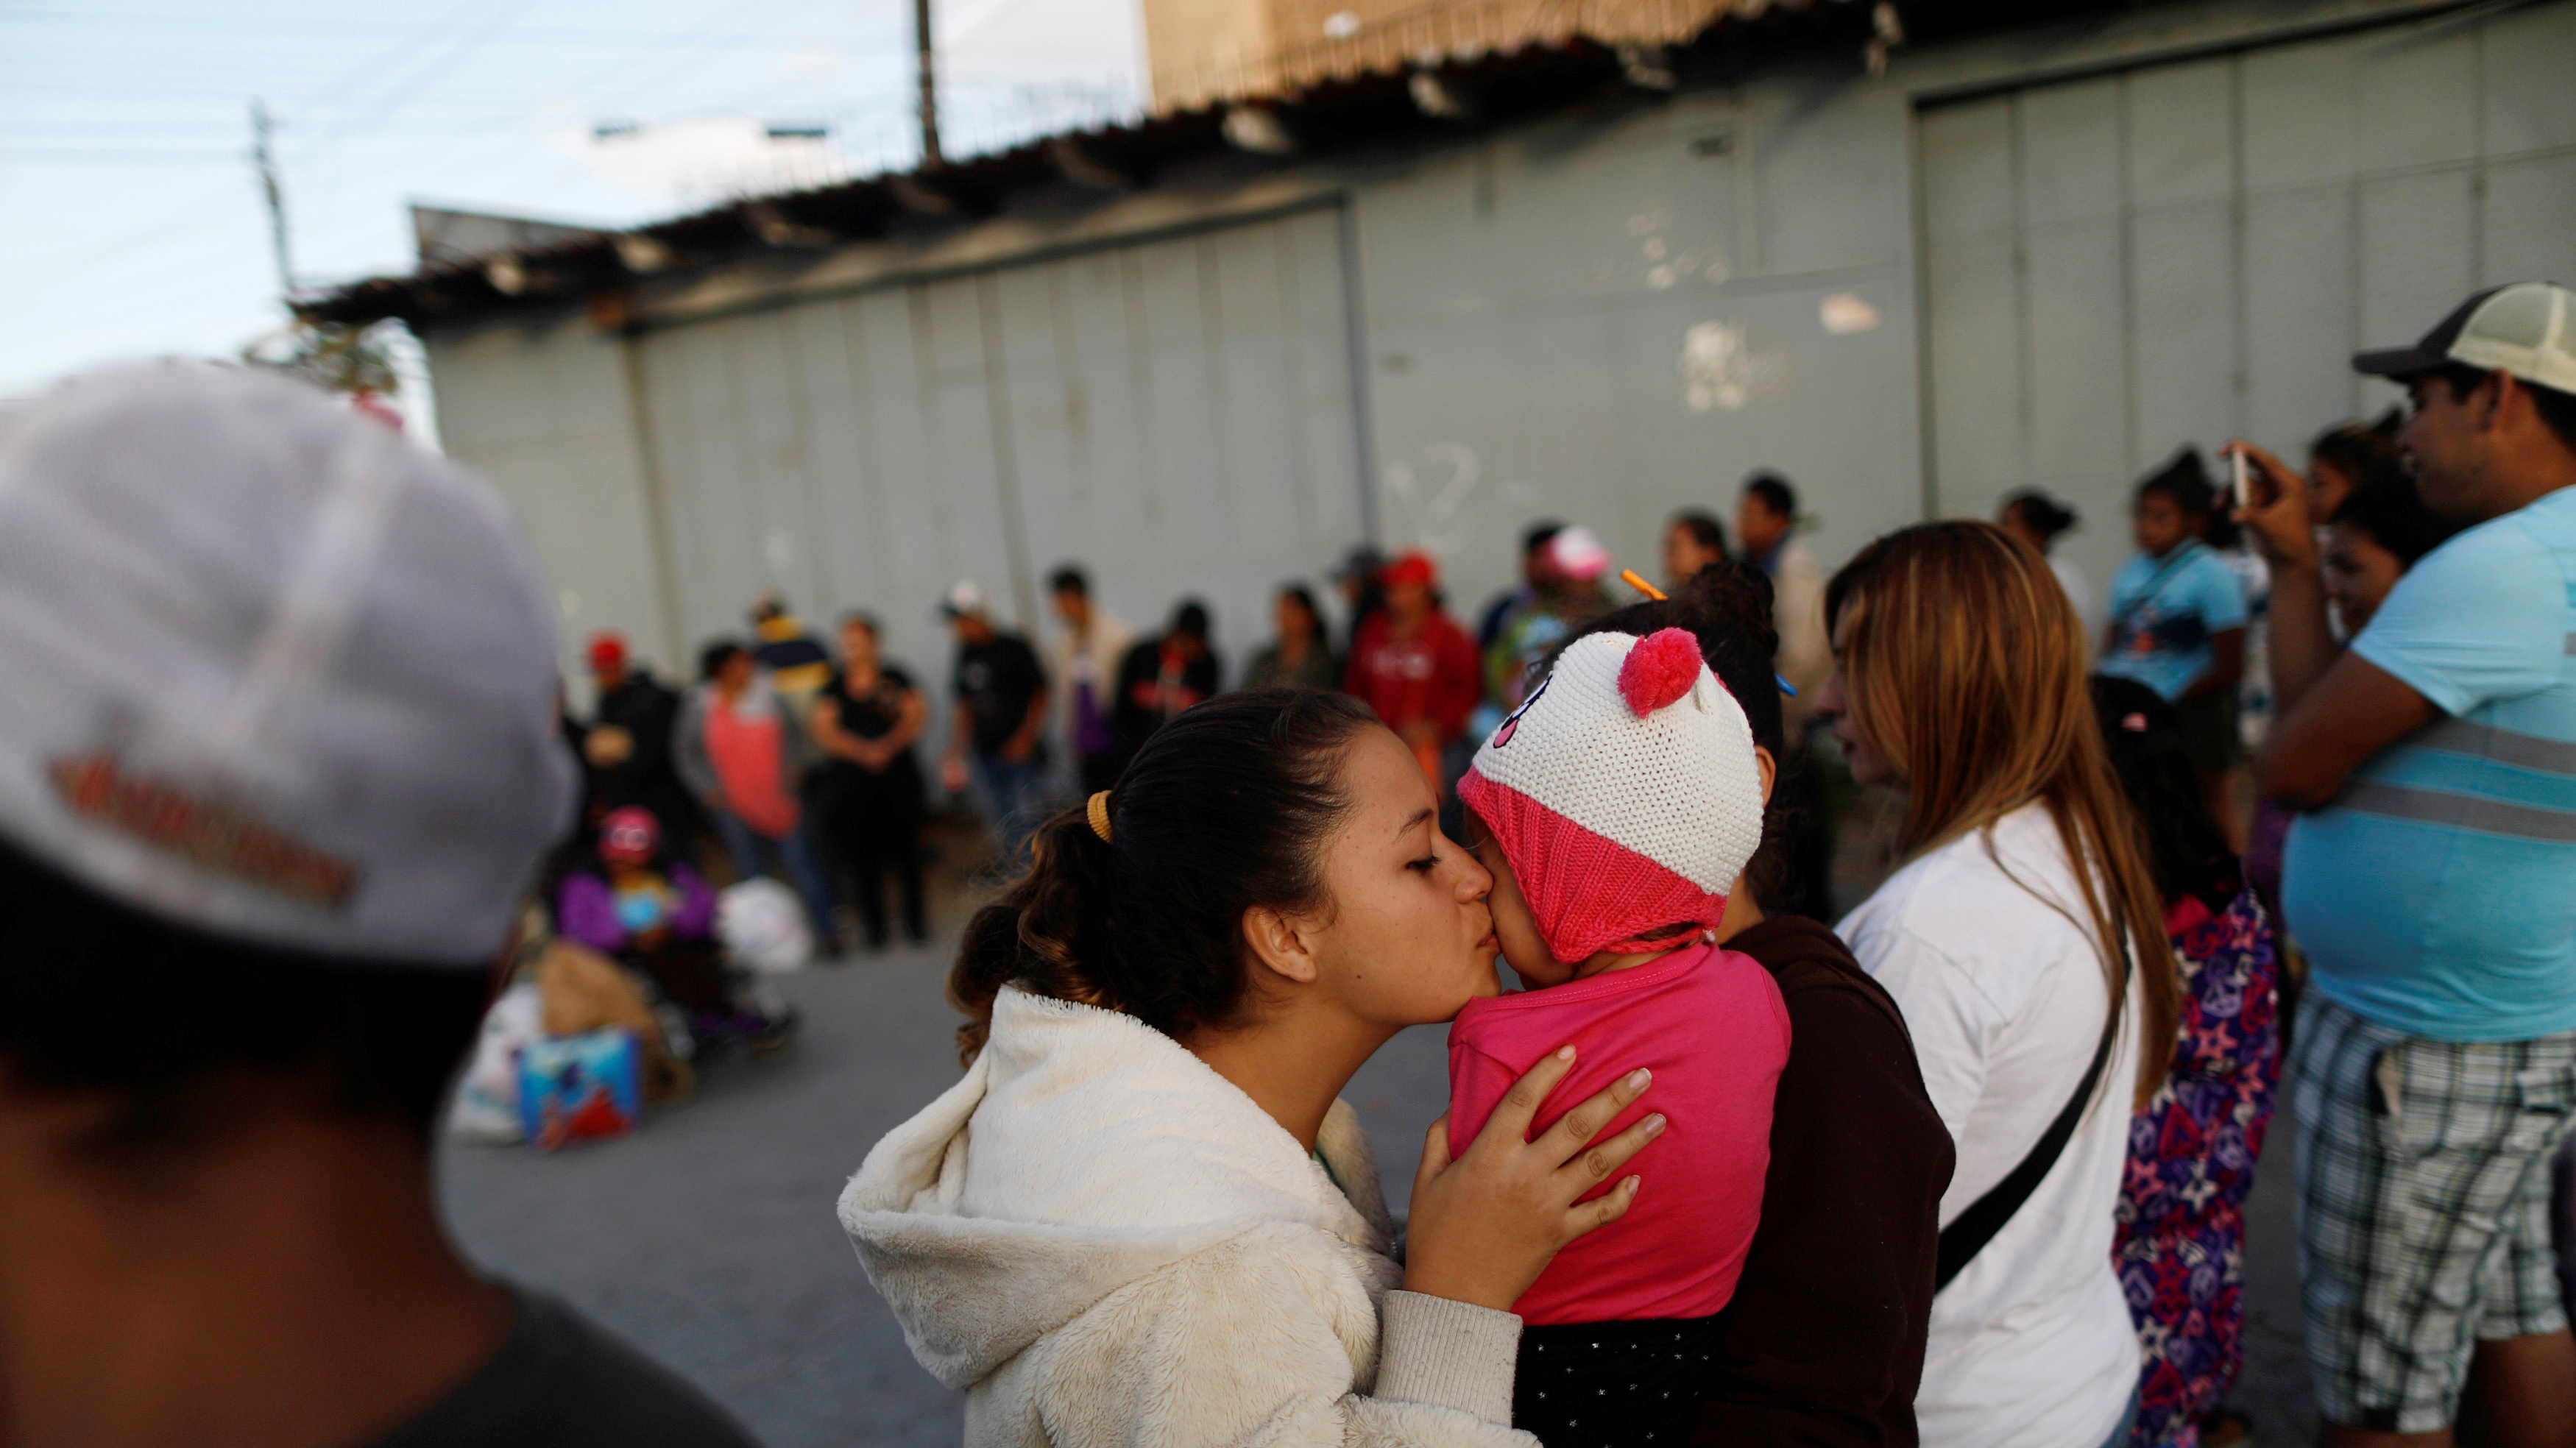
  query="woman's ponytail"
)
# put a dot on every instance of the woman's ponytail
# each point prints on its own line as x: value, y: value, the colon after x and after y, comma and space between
x: 1048, y: 933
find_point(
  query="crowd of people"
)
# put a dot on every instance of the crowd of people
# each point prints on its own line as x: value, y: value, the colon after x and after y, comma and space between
x: 799, y: 760
x: 1967, y: 1167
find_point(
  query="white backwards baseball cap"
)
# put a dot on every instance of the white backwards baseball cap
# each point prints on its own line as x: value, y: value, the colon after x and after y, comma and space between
x: 2527, y: 329
x: 272, y: 672
x: 963, y: 600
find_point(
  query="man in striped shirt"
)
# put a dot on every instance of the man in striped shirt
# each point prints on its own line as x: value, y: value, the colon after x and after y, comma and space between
x: 2432, y: 882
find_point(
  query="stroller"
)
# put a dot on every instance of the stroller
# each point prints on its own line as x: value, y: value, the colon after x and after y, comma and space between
x: 654, y: 914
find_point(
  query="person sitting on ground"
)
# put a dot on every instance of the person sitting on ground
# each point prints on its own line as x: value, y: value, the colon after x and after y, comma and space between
x: 742, y: 747
x: 2040, y: 520
x: 248, y: 933
x: 1415, y: 666
x: 652, y: 913
x: 1614, y: 809
x: 2434, y: 1055
x: 1692, y: 541
x: 1302, y: 656
x: 2178, y: 614
x: 2180, y: 1247
x: 1164, y: 675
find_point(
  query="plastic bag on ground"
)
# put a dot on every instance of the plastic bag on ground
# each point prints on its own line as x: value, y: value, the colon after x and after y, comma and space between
x: 762, y: 925
x: 486, y: 1110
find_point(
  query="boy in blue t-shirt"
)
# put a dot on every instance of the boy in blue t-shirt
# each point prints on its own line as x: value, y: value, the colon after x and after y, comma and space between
x: 2178, y: 613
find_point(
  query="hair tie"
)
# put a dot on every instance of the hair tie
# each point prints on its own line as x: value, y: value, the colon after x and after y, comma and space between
x: 1099, y: 812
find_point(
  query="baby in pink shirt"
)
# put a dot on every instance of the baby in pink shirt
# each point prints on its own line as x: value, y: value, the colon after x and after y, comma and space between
x: 1616, y: 809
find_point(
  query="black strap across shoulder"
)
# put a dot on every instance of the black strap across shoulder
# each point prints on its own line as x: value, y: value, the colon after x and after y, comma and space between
x: 1970, y: 1231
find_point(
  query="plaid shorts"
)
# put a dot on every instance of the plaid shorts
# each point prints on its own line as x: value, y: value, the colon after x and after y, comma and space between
x: 2423, y: 1208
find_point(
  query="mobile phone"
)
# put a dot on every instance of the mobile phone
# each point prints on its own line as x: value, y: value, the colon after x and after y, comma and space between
x: 2237, y: 484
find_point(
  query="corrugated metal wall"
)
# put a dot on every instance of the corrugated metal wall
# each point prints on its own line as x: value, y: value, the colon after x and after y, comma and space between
x: 2119, y: 265
x: 1614, y: 314
x: 1177, y: 414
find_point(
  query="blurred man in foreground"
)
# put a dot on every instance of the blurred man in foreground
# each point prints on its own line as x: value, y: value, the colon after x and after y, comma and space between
x: 277, y: 759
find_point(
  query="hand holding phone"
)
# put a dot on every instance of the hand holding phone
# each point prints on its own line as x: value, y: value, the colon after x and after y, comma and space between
x: 2273, y: 506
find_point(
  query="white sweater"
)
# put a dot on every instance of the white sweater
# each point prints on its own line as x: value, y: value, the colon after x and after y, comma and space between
x: 1103, y: 1242
x: 2031, y: 1344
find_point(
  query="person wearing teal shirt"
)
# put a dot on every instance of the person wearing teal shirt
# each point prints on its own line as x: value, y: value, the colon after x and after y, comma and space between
x: 2178, y: 616
x: 2432, y: 881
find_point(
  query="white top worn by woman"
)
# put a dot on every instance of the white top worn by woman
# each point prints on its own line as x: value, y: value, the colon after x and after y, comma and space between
x: 1103, y: 1242
x: 2031, y: 1344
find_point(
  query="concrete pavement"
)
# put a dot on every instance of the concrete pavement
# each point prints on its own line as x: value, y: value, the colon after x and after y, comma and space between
x: 708, y: 1238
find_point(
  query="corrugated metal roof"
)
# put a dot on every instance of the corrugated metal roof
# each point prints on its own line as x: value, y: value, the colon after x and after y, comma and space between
x: 1364, y: 98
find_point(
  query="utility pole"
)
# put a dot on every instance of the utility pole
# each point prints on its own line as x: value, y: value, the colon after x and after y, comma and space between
x: 259, y: 129
x: 926, y: 63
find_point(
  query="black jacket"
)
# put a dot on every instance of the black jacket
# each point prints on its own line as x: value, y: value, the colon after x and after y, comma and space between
x: 1822, y: 1343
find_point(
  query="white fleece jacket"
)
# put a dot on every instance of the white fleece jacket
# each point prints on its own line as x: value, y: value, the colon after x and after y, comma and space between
x: 1103, y: 1242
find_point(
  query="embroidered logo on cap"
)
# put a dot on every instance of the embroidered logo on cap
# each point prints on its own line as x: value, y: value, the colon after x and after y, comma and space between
x: 215, y: 836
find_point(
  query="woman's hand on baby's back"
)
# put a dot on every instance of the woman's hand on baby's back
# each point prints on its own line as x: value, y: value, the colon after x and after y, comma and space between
x: 1487, y: 1223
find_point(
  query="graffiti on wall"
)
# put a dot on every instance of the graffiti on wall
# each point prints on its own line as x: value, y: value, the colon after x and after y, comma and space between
x: 1722, y: 369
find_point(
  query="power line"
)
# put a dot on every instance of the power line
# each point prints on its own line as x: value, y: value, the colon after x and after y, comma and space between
x: 276, y: 204
x: 155, y: 155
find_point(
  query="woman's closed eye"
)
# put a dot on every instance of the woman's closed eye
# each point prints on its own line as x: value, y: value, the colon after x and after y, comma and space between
x: 1425, y: 865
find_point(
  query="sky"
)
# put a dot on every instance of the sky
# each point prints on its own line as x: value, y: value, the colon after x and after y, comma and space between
x: 131, y: 216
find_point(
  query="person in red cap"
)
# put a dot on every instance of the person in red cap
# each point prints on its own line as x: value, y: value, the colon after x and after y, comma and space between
x: 1414, y: 665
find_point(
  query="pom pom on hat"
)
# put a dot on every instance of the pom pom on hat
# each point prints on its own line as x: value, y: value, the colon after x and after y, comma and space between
x: 1659, y: 670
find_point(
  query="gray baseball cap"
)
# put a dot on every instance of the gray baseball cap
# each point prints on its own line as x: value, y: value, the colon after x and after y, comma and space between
x: 273, y: 671
x: 2526, y: 328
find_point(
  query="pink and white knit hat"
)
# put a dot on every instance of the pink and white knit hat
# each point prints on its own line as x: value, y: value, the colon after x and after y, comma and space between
x: 1625, y: 793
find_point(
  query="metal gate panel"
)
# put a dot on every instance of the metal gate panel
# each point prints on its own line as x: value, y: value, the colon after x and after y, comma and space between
x: 2185, y: 252
x: 1175, y: 413
x: 1317, y: 307
x: 2531, y: 216
x: 2073, y: 268
x: 912, y: 542
x: 2524, y: 64
x: 778, y: 487
x: 2300, y: 280
x: 2181, y: 172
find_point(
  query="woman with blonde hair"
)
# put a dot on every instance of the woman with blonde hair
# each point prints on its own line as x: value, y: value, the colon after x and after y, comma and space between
x: 2024, y: 939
